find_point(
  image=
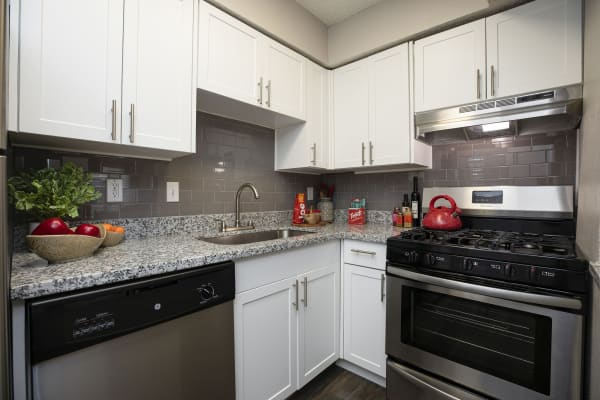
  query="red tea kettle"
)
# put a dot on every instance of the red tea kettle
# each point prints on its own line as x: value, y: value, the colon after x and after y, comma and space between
x: 443, y: 218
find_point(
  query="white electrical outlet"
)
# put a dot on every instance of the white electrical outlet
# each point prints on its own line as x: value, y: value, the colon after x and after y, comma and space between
x: 310, y: 193
x: 114, y: 190
x: 172, y: 192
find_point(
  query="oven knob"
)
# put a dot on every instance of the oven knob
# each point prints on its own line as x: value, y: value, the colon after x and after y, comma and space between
x: 413, y: 257
x: 468, y: 265
x: 430, y: 259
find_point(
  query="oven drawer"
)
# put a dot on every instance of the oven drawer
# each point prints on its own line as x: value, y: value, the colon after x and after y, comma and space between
x: 406, y: 383
x: 365, y: 254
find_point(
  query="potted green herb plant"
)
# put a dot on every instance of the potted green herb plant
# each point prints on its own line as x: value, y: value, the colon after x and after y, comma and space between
x: 48, y: 192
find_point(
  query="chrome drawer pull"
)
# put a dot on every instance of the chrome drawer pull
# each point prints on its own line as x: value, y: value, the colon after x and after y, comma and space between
x: 371, y: 253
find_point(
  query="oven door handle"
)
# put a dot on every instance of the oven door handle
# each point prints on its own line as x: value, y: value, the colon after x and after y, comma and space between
x: 429, y: 384
x: 523, y: 297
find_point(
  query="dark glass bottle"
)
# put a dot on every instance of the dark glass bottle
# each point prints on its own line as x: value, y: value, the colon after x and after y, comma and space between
x: 415, y: 200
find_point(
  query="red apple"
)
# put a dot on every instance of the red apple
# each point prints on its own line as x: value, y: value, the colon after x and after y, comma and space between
x: 88, y: 229
x: 52, y: 226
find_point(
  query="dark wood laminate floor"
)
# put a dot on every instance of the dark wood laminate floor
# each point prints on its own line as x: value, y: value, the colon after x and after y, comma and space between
x: 336, y: 383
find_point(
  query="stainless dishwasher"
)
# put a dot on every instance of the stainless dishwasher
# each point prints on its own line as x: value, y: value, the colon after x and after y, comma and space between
x: 169, y: 337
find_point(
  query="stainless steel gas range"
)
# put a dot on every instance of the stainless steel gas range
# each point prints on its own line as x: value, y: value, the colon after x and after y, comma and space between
x: 495, y: 310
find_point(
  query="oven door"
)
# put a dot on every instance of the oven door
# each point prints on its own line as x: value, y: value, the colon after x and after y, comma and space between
x: 501, y: 343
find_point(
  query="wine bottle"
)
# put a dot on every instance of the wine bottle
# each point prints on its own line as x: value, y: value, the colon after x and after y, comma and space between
x: 415, y: 199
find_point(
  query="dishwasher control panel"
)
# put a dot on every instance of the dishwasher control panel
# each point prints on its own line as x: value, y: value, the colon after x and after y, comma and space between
x: 99, y: 323
x: 62, y: 324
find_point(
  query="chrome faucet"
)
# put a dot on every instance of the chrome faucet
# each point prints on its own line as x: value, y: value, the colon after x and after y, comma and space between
x: 238, y: 226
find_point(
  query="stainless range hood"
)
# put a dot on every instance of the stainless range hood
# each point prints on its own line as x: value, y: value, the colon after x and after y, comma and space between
x: 540, y: 112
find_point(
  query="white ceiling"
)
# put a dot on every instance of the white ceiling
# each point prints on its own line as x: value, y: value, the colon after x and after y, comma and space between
x: 331, y: 12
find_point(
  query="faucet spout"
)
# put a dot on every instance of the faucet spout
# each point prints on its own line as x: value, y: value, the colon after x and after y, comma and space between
x: 237, y: 200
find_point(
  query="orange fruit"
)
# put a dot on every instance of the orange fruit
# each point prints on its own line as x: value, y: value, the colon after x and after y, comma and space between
x: 118, y: 229
x: 108, y: 227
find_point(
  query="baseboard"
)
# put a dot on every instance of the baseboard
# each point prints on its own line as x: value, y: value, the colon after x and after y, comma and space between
x: 363, y: 373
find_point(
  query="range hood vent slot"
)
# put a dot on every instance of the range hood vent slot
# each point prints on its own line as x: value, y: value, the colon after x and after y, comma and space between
x: 541, y: 112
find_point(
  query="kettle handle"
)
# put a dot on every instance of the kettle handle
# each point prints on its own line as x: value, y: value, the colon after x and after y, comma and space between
x: 446, y: 197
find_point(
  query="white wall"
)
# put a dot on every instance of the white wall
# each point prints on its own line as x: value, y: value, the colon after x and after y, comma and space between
x: 390, y: 21
x: 588, y: 220
x: 286, y: 20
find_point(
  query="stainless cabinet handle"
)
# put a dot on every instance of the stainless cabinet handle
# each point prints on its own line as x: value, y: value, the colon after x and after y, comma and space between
x: 114, y: 119
x: 382, y: 287
x: 370, y: 152
x: 132, y: 124
x: 260, y: 91
x: 268, y: 87
x: 492, y: 81
x: 371, y: 253
x: 295, y: 285
x: 363, y: 153
x: 314, y: 149
x: 478, y: 82
x: 305, y: 285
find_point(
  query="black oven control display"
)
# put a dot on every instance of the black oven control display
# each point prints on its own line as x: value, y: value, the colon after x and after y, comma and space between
x: 487, y: 197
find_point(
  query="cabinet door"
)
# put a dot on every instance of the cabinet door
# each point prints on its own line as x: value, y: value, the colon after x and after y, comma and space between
x: 285, y: 77
x: 450, y: 67
x: 159, y: 85
x: 364, y: 318
x: 351, y: 114
x: 318, y: 322
x: 70, y: 68
x: 229, y: 56
x: 307, y: 145
x: 265, y: 341
x: 389, y: 117
x: 535, y: 46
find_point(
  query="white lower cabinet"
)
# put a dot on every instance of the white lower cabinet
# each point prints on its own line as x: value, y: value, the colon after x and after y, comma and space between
x: 364, y: 305
x: 265, y: 337
x: 287, y: 331
x: 364, y: 318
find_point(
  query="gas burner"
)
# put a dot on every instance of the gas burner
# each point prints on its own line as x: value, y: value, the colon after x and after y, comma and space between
x: 514, y: 242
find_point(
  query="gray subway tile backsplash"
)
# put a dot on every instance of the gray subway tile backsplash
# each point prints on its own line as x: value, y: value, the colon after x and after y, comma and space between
x: 231, y: 153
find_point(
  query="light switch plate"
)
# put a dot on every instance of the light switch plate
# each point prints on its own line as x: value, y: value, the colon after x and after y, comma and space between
x: 310, y: 193
x: 114, y: 190
x: 172, y: 192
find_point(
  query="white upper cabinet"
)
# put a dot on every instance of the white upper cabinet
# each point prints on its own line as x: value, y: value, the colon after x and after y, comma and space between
x: 535, y: 46
x: 306, y: 146
x: 159, y: 77
x: 70, y: 68
x: 239, y: 63
x: 390, y: 133
x: 351, y: 114
x: 107, y: 72
x: 285, y: 80
x: 229, y: 53
x: 372, y: 114
x: 450, y: 67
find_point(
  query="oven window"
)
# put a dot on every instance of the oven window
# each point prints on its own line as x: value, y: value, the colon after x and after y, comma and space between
x: 506, y: 343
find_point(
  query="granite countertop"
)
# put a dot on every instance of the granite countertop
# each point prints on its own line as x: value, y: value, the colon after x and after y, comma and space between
x: 136, y: 258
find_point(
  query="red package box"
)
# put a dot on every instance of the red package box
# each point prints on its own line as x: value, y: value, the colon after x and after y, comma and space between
x: 357, y: 216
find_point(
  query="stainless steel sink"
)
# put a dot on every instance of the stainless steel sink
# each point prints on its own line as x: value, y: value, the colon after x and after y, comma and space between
x: 252, y: 237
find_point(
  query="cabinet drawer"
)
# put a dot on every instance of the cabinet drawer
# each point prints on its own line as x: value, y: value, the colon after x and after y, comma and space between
x: 366, y: 254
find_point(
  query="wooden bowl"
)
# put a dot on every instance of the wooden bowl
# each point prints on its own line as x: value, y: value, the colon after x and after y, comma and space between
x: 313, y: 218
x: 113, y: 239
x: 57, y: 248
